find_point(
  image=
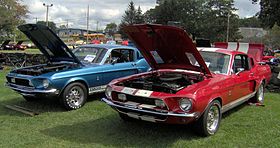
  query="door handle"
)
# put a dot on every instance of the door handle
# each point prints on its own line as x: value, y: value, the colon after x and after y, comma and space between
x: 252, y: 74
x: 133, y: 64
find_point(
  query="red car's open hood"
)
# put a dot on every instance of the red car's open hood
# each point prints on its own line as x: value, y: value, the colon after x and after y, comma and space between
x: 167, y: 47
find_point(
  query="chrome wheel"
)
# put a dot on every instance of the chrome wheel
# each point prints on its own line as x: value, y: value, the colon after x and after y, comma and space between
x: 260, y: 94
x: 213, y: 119
x: 75, y: 97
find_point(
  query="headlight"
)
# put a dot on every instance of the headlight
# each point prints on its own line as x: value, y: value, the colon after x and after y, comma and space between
x: 159, y: 103
x: 122, y: 97
x: 185, y: 104
x: 108, y: 92
x: 46, y: 83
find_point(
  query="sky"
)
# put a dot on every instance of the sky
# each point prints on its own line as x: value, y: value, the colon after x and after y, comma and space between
x: 101, y: 12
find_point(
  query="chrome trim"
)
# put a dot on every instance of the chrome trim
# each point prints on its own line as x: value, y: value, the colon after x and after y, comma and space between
x: 112, y: 104
x: 237, y: 102
x: 24, y: 89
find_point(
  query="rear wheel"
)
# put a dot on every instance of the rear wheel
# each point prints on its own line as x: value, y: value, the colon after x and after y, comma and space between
x: 208, y: 124
x: 74, y: 96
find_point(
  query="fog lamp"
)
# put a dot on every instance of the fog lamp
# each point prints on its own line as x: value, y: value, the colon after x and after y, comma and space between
x: 108, y: 92
x: 185, y: 104
x: 159, y: 103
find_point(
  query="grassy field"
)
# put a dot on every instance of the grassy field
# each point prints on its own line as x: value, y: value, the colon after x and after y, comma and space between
x: 97, y: 125
x: 28, y: 50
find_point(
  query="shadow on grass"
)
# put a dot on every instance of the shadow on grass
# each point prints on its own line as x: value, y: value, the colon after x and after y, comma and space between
x: 41, y: 105
x: 112, y: 131
x: 234, y: 110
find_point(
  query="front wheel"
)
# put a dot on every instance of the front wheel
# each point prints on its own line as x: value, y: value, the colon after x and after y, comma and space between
x: 74, y: 96
x: 208, y: 124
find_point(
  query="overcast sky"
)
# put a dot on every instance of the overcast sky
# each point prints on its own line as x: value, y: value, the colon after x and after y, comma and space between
x: 103, y: 11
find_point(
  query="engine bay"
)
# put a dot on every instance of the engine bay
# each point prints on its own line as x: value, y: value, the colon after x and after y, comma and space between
x: 170, y: 82
x: 45, y: 68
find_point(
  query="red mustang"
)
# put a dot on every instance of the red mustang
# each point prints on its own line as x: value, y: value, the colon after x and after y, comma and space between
x: 185, y: 84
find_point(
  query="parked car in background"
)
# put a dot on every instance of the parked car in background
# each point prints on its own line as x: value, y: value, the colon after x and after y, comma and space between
x: 4, y: 44
x: 111, y: 42
x: 186, y: 84
x: 12, y: 46
x: 72, y: 76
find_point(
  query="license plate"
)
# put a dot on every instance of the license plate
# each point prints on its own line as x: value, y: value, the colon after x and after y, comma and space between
x: 148, y: 118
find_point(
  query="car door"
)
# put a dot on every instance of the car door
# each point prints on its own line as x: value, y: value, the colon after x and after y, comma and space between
x: 120, y: 63
x: 243, y: 76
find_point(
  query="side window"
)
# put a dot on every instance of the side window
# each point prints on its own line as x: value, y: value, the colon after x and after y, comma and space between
x: 241, y: 61
x: 120, y: 56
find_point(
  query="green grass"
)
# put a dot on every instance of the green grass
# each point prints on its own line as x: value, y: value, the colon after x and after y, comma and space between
x: 97, y: 125
x: 28, y: 51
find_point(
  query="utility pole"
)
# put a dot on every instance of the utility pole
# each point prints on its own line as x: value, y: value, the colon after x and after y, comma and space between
x: 97, y: 23
x: 228, y: 25
x: 36, y: 20
x: 68, y: 31
x: 87, y: 22
x: 47, y: 14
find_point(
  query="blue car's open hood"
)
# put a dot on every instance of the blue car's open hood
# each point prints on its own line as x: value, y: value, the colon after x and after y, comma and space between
x: 48, y: 43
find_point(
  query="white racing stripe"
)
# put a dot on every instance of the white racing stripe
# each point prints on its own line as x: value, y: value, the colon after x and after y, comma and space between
x: 243, y: 47
x: 232, y: 45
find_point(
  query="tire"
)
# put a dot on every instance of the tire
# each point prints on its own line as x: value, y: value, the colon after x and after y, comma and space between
x: 74, y: 96
x: 259, y: 97
x: 211, y: 116
x: 30, y: 99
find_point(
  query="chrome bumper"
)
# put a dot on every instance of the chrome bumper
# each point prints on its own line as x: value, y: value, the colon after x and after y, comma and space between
x: 31, y: 91
x: 187, y: 115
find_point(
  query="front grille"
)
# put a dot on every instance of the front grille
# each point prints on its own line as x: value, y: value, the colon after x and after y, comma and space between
x: 19, y: 81
x: 137, y: 99
x: 159, y: 117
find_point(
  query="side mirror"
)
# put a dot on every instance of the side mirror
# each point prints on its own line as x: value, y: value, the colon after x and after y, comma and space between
x: 239, y: 70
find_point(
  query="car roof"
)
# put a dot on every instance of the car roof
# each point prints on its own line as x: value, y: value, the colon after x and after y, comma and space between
x: 221, y: 50
x: 107, y: 46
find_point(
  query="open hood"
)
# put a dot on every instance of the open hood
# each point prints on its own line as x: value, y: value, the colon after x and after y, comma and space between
x: 48, y: 43
x: 167, y: 47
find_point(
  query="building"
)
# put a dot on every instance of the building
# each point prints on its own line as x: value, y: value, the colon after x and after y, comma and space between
x: 62, y: 33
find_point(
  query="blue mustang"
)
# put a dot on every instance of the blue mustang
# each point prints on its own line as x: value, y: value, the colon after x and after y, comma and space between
x: 72, y: 76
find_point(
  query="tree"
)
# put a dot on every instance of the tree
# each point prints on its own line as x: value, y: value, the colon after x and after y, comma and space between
x: 202, y: 18
x: 111, y: 28
x: 270, y: 12
x: 139, y: 18
x: 131, y: 16
x: 63, y: 27
x: 272, y: 39
x: 12, y: 14
x: 52, y: 25
x: 250, y: 22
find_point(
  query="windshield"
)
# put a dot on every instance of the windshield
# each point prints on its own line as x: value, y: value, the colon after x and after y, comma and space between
x: 90, y: 54
x: 216, y: 62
